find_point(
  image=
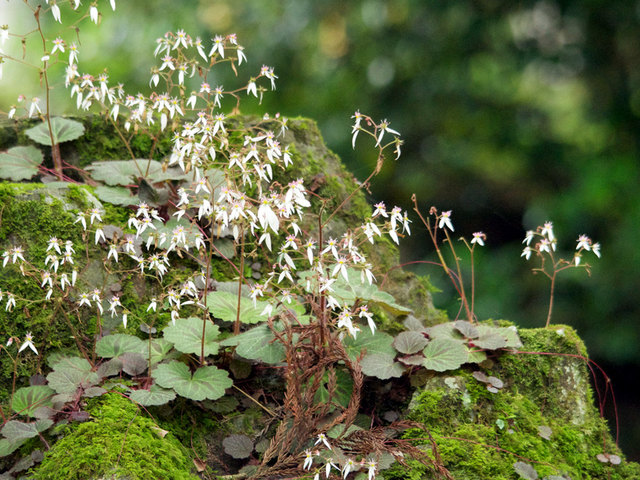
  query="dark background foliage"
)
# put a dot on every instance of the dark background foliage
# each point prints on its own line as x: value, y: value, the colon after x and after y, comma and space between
x: 513, y: 113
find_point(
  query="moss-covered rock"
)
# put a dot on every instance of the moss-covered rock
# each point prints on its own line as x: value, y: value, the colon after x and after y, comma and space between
x: 118, y: 443
x: 544, y: 416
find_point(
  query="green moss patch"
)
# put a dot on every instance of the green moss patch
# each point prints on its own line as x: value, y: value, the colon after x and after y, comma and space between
x: 543, y: 416
x: 119, y: 442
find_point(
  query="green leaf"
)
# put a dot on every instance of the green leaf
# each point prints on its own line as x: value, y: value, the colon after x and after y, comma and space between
x: 355, y: 288
x: 70, y: 373
x: 444, y: 330
x: 20, y: 163
x: 159, y: 350
x: 205, y: 383
x: 490, y: 341
x: 133, y: 363
x: 186, y: 336
x: 113, y: 346
x: 497, y: 337
x: 15, y: 431
x: 467, y: 329
x: 342, y: 393
x: 443, y: 354
x: 224, y: 305
x: 27, y: 399
x: 238, y: 446
x: 381, y: 366
x: 123, y: 172
x: 7, y: 447
x: 409, y: 342
x: 115, y: 195
x: 257, y: 344
x: 62, y: 130
x: 370, y: 343
x: 152, y: 397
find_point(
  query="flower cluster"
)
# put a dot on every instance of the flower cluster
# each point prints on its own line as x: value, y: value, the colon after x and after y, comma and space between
x: 335, y: 459
x: 546, y: 242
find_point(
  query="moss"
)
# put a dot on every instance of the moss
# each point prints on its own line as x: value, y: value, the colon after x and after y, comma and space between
x: 481, y: 435
x: 120, y: 442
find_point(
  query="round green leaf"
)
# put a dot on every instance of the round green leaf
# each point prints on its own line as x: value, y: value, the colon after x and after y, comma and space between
x: 205, y: 383
x: 186, y: 336
x: 113, y: 346
x: 369, y: 343
x: 20, y: 163
x: 467, y: 329
x: 7, y: 447
x: 15, y: 431
x: 152, y: 397
x: 342, y: 393
x: 381, y: 366
x: 122, y: 172
x: 62, y: 130
x: 70, y: 373
x: 238, y: 446
x: 115, y: 195
x: 27, y: 399
x: 443, y: 354
x: 224, y: 305
x: 257, y: 344
x: 409, y: 342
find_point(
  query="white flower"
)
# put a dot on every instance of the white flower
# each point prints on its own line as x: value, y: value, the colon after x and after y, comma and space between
x: 35, y: 107
x: 528, y: 237
x: 348, y: 466
x: 11, y: 302
x: 548, y: 231
x: 58, y: 46
x: 153, y: 305
x: 308, y: 460
x: 93, y: 13
x: 544, y: 245
x: 218, y: 46
x: 445, y: 220
x: 322, y: 438
x: 526, y: 252
x: 479, y: 238
x: 28, y: 342
x: 55, y: 11
x: 384, y: 127
x: 252, y: 88
x: 584, y: 242
x: 595, y: 248
x: 371, y: 465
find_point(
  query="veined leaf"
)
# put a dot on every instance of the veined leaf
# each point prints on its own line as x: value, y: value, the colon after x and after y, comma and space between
x: 62, y: 130
x: 20, y: 163
x: 443, y: 354
x: 257, y: 344
x: 205, y: 383
x: 381, y: 366
x: 224, y: 305
x: 370, y: 343
x: 113, y: 346
x: 70, y: 373
x: 27, y: 399
x: 152, y: 397
x: 186, y: 336
x: 115, y: 195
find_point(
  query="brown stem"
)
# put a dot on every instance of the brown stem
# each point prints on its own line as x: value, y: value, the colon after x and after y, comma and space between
x: 236, y: 325
x: 55, y: 148
x: 553, y: 284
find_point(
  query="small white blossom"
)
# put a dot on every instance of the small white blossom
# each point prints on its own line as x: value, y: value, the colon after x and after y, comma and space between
x: 28, y: 343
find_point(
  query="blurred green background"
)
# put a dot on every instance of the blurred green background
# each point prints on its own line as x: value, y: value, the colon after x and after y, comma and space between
x: 512, y: 112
